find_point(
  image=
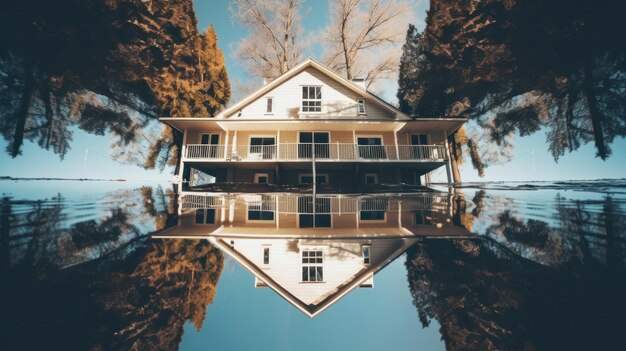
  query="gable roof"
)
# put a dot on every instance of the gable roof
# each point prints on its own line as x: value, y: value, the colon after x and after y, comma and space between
x: 326, y: 71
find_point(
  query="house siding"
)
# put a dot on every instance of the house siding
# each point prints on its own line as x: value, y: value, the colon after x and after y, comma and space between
x: 337, y: 100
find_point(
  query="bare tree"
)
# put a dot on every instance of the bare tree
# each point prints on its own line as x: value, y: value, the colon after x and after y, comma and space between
x: 363, y: 38
x: 275, y: 43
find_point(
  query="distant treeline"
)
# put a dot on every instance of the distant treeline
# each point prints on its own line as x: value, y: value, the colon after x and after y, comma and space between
x: 517, y: 67
x: 105, y: 67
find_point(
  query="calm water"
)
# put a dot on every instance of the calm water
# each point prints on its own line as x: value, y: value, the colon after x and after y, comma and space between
x: 126, y: 266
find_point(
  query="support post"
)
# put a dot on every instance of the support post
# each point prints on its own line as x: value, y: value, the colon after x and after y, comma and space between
x: 278, y: 144
x: 395, y: 139
x: 226, y: 144
x: 447, y: 153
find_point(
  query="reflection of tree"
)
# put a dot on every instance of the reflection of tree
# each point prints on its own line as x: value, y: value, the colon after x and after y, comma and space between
x: 528, y: 284
x: 130, y: 295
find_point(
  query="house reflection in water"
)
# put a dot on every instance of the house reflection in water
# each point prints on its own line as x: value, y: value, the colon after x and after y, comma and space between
x: 313, y: 252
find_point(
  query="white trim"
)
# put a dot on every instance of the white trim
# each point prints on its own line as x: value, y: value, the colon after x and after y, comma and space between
x: 258, y: 175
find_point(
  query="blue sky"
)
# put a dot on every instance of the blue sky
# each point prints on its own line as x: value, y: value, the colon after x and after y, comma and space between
x: 243, y: 317
x: 35, y: 162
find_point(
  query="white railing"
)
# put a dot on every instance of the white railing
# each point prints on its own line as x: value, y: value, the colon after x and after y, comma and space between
x: 303, y: 151
x: 203, y: 151
x: 284, y: 203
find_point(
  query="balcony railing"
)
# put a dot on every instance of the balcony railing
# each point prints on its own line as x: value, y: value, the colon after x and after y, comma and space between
x: 322, y: 152
x: 290, y: 204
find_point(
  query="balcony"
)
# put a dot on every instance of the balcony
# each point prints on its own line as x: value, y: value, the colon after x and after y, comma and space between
x: 322, y: 152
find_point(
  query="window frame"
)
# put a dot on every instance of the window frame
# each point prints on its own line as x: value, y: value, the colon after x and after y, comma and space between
x: 204, y: 216
x: 263, y: 200
x: 307, y: 265
x: 375, y: 175
x: 301, y: 175
x: 259, y: 175
x: 269, y: 105
x: 366, y: 260
x: 263, y: 256
x: 308, y: 99
x: 360, y: 102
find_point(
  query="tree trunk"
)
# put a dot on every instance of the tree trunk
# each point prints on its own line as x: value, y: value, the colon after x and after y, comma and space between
x: 178, y: 141
x: 454, y: 161
x: 22, y: 112
x: 594, y: 111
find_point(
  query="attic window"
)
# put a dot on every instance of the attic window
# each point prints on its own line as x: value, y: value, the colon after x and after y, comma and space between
x: 269, y: 105
x: 366, y: 251
x: 361, y: 106
x: 311, y: 99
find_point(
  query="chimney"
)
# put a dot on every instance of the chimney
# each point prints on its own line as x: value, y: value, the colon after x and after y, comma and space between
x: 360, y: 82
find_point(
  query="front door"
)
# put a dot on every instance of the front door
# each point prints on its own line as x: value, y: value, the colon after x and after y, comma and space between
x: 262, y: 148
x: 310, y: 140
x: 213, y: 141
x: 371, y: 148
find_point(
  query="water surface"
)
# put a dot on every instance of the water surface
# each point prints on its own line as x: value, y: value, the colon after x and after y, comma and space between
x: 542, y: 267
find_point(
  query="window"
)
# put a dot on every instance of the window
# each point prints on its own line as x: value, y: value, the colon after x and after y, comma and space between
x: 320, y: 218
x: 318, y: 141
x: 373, y: 209
x: 371, y: 148
x: 366, y: 251
x: 269, y: 102
x: 361, y: 106
x: 311, y: 99
x: 262, y: 148
x: 261, y: 209
x: 423, y: 217
x: 205, y: 216
x: 261, y: 178
x: 419, y: 139
x: 266, y: 256
x: 371, y: 178
x: 307, y: 178
x: 312, y: 266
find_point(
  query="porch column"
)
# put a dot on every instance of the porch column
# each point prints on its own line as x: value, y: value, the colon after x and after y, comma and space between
x: 447, y: 153
x: 234, y: 147
x: 278, y: 144
x: 395, y: 140
x: 226, y: 144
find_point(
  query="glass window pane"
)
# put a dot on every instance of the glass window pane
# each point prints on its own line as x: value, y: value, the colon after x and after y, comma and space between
x: 305, y: 93
x: 266, y: 255
x: 199, y: 216
x: 305, y: 275
x: 210, y: 216
x: 320, y: 274
x: 306, y: 221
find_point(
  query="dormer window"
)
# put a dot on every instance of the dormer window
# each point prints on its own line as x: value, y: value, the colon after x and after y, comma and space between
x: 311, y: 99
x: 361, y: 106
x: 269, y: 105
